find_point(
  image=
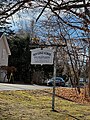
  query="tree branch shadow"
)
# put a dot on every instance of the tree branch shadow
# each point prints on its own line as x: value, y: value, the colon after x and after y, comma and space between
x: 59, y: 96
x: 64, y: 112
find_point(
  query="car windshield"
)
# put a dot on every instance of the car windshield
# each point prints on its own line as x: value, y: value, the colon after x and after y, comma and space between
x: 58, y: 78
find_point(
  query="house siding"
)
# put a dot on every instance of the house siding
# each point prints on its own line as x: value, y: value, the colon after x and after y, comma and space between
x: 3, y: 54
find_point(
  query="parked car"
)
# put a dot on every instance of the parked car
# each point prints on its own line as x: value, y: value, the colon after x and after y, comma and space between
x: 58, y: 81
x: 82, y: 82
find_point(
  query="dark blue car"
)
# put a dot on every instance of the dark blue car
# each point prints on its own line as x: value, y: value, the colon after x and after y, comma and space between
x: 58, y: 82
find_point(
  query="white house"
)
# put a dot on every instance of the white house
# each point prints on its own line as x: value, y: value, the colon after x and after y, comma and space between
x: 4, y: 53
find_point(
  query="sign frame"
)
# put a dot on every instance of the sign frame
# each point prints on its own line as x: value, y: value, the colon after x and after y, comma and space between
x: 43, y: 56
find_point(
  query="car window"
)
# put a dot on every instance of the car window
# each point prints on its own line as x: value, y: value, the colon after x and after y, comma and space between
x: 57, y: 78
x: 60, y: 79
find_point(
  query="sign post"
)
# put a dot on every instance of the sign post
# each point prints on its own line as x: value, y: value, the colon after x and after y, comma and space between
x: 45, y: 56
x: 89, y: 72
x: 54, y: 75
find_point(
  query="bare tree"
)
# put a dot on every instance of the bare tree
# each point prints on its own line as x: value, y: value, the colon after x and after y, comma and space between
x: 72, y: 20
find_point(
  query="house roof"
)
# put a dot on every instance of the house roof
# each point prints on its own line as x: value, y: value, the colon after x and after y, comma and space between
x: 2, y: 36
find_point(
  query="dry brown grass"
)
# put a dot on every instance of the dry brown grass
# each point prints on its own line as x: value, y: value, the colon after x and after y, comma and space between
x: 36, y: 105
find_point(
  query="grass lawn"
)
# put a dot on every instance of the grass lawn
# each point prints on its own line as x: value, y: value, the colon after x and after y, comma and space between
x: 37, y: 105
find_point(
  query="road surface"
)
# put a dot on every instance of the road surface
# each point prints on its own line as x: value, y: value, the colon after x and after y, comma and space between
x: 6, y: 86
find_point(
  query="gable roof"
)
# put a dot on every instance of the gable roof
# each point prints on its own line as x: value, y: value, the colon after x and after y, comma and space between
x: 2, y: 36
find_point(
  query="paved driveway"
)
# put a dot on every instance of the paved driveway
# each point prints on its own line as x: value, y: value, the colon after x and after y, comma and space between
x: 6, y: 86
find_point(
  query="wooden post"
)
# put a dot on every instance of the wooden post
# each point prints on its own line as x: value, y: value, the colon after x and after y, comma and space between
x: 54, y: 75
x: 89, y: 72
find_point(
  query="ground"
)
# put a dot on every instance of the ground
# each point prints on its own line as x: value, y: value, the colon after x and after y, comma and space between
x: 37, y: 105
x: 71, y: 94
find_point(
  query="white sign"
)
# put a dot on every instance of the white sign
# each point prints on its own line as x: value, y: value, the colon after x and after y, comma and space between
x: 42, y: 56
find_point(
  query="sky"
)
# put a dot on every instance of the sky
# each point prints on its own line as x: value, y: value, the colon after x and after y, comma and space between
x: 22, y: 20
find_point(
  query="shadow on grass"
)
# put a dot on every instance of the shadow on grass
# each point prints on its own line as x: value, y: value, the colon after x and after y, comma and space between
x: 63, y: 112
x: 59, y: 96
x: 73, y: 116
